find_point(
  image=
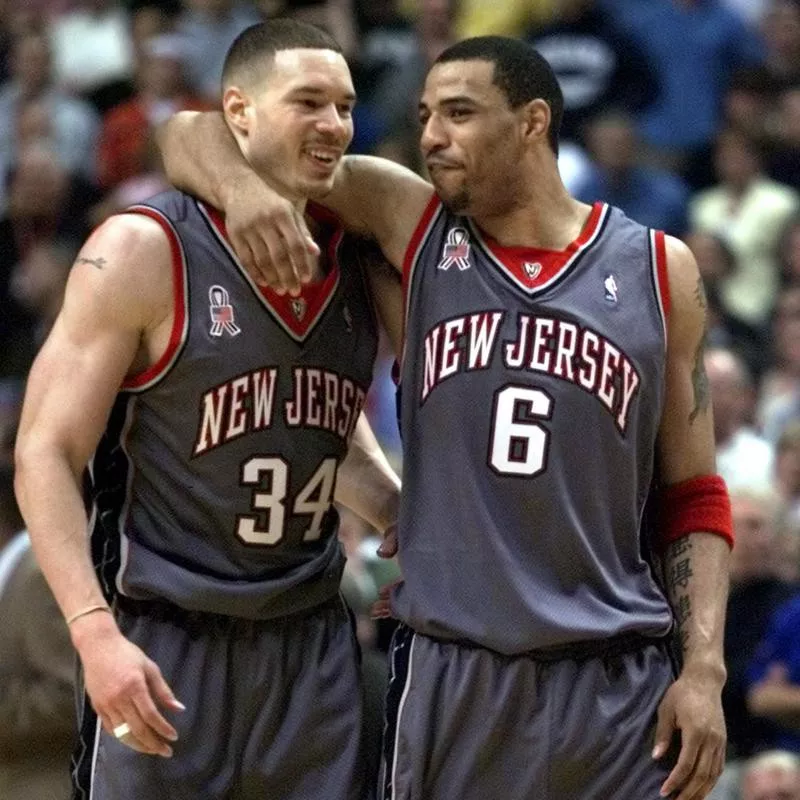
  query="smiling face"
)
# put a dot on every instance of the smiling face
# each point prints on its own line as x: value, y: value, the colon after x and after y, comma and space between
x: 294, y: 120
x: 472, y: 139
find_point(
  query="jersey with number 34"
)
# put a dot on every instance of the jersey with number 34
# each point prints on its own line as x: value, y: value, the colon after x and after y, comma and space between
x: 213, y: 484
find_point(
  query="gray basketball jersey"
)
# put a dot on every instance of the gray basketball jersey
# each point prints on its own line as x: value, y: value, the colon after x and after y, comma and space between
x: 531, y: 391
x: 213, y: 483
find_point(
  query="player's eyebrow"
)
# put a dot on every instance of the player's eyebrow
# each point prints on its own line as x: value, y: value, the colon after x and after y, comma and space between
x: 457, y: 100
x: 316, y: 90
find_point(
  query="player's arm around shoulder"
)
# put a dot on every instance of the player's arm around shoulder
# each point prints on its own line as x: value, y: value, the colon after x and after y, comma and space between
x: 694, y: 535
x: 381, y: 199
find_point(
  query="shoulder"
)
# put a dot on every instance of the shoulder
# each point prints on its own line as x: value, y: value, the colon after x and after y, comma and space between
x: 123, y: 271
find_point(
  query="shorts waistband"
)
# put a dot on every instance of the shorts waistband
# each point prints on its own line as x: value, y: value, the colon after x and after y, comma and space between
x: 203, y: 621
x: 575, y: 651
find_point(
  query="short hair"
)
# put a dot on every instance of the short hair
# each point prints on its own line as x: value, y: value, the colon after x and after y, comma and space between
x: 256, y: 46
x: 520, y: 72
x: 781, y: 760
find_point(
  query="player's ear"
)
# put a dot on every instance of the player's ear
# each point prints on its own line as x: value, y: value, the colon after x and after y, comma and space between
x: 536, y: 119
x: 238, y: 109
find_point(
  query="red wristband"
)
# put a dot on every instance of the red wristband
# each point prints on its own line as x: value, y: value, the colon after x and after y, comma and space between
x: 697, y: 505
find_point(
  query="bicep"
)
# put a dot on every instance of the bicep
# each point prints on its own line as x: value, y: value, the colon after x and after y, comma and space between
x: 686, y: 432
x: 95, y: 339
x: 72, y: 386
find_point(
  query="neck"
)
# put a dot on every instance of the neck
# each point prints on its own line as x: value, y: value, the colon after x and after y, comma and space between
x: 547, y: 217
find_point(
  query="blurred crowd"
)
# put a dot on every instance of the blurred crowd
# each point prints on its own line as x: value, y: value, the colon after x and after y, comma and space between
x: 684, y: 113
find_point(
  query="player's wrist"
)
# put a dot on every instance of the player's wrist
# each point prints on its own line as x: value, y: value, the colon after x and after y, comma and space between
x: 705, y: 667
x: 86, y: 629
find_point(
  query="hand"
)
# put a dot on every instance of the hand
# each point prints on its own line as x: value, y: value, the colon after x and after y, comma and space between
x: 382, y: 608
x: 388, y: 547
x: 124, y: 686
x: 269, y: 236
x: 693, y: 706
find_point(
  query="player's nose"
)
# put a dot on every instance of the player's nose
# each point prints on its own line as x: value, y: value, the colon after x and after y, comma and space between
x: 433, y: 136
x: 332, y: 122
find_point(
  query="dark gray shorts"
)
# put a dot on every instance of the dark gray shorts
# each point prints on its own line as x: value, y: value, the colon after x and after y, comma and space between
x: 468, y: 724
x: 273, y: 710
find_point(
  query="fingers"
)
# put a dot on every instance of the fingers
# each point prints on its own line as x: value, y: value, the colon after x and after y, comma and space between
x: 142, y: 731
x: 707, y: 769
x: 665, y: 728
x: 148, y: 730
x: 161, y: 688
x: 110, y: 725
x: 679, y: 777
x: 388, y: 547
x: 276, y: 249
x: 382, y: 608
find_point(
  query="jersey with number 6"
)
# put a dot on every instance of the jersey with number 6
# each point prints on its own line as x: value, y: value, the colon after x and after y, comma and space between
x: 213, y: 483
x: 531, y: 393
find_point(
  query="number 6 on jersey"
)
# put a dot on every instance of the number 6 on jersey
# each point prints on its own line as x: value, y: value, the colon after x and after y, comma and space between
x: 519, y: 443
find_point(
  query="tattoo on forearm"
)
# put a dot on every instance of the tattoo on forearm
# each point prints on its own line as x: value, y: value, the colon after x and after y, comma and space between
x: 679, y: 573
x: 702, y: 394
x: 95, y: 262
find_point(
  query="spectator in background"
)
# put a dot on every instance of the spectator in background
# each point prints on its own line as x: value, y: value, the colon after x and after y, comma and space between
x: 749, y: 104
x: 783, y: 163
x: 37, y: 284
x: 694, y: 47
x: 396, y: 108
x: 716, y: 263
x: 596, y: 64
x: 43, y: 203
x: 779, y: 398
x: 37, y: 667
x: 774, y: 775
x: 787, y: 466
x: 127, y: 132
x: 756, y: 591
x: 93, y: 51
x: 68, y: 124
x: 10, y: 407
x: 479, y: 18
x: 750, y: 211
x: 744, y: 459
x: 210, y: 26
x: 653, y: 197
x: 774, y: 677
x: 781, y: 34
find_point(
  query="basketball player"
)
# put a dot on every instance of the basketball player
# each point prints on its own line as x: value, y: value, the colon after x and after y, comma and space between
x: 217, y: 415
x: 552, y: 367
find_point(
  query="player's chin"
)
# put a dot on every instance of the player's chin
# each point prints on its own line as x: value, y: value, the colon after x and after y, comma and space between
x: 318, y: 186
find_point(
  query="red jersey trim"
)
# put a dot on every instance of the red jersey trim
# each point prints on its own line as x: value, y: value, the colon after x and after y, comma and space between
x: 658, y: 253
x: 535, y: 269
x: 298, y: 316
x: 150, y: 376
x: 415, y: 244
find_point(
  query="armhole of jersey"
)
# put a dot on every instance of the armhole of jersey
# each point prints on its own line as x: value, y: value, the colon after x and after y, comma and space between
x: 409, y: 262
x: 151, y: 375
x: 658, y: 264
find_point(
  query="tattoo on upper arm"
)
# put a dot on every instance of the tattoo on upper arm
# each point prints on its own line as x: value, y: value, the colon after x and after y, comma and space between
x: 95, y: 262
x: 702, y: 393
x: 679, y: 573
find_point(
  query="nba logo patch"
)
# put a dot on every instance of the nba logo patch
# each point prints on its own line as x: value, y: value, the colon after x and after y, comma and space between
x: 221, y: 312
x: 610, y: 285
x: 456, y: 250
